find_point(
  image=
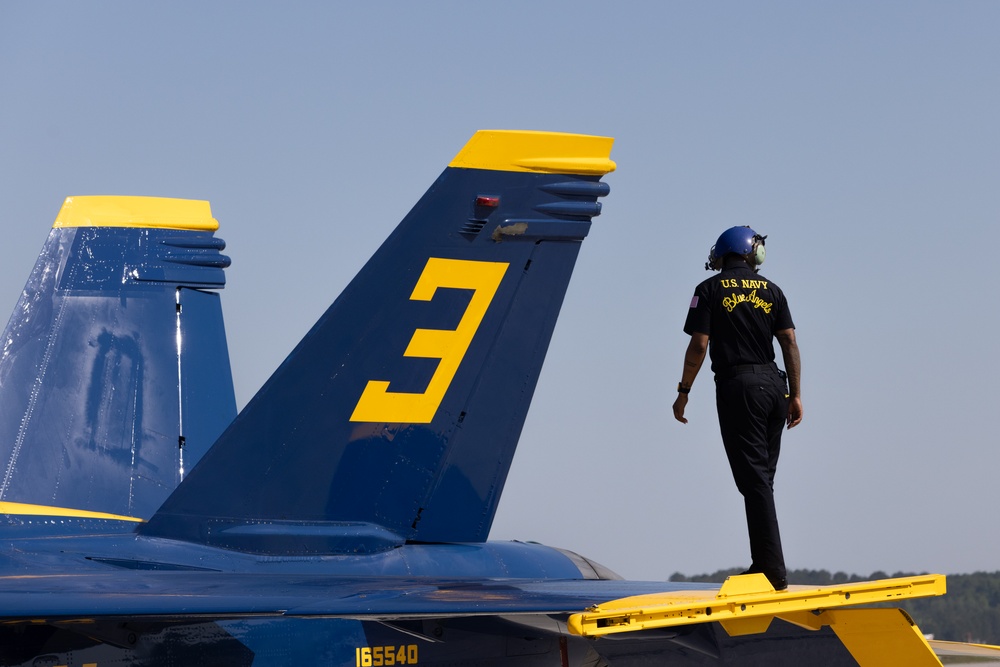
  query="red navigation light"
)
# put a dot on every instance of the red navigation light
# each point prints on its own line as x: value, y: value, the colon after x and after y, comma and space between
x: 489, y: 202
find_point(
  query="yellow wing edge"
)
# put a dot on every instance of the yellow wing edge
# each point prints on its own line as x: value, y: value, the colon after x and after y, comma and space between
x: 539, y: 152
x: 742, y: 597
x: 25, y: 509
x: 746, y: 604
x: 129, y: 211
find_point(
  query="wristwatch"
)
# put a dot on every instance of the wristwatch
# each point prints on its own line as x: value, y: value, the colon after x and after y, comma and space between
x: 681, y: 389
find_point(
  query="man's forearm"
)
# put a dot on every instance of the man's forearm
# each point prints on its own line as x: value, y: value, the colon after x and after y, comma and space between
x: 694, y: 356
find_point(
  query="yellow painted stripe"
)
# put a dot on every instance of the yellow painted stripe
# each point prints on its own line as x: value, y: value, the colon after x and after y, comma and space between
x: 45, y: 510
x: 539, y: 152
x: 155, y: 212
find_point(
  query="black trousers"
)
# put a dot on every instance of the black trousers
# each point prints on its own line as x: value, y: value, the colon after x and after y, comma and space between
x: 753, y: 407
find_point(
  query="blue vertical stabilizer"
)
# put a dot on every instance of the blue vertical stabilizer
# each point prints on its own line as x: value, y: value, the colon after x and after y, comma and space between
x: 396, y: 417
x: 114, y: 370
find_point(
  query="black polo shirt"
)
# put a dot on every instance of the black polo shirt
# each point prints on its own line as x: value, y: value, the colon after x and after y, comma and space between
x: 739, y: 310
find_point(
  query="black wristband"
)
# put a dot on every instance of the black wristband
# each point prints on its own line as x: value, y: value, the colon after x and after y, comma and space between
x: 681, y: 389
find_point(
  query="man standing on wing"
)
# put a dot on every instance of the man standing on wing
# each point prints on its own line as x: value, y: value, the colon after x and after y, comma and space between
x: 735, y: 316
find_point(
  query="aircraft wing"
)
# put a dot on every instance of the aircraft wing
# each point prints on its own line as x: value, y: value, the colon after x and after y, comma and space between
x: 231, y: 595
x: 598, y: 607
x: 743, y: 606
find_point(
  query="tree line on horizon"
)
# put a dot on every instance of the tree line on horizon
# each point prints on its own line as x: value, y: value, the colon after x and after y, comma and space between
x: 968, y: 612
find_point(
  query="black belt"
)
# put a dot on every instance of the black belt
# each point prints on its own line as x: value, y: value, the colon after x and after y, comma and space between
x: 740, y: 369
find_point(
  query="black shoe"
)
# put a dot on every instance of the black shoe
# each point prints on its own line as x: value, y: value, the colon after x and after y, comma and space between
x: 779, y: 584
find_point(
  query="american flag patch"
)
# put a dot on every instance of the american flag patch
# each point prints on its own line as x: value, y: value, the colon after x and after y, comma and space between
x: 694, y: 301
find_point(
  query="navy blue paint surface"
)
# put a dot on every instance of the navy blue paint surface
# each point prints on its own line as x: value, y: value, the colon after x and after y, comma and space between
x: 436, y: 482
x: 89, y: 398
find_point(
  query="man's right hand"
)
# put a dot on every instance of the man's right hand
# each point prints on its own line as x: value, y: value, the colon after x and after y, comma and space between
x: 679, y: 405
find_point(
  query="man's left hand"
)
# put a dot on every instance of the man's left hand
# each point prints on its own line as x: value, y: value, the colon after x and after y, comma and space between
x: 794, y: 411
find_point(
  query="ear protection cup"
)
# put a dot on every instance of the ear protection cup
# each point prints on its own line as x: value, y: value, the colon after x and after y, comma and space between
x: 759, y: 253
x: 713, y: 261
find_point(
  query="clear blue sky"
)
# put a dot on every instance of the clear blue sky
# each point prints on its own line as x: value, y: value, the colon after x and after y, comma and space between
x: 862, y: 137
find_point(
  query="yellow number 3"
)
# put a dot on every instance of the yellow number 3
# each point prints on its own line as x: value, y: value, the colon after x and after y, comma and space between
x: 377, y: 404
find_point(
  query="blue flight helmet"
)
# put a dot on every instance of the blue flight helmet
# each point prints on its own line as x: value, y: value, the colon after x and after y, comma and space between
x: 741, y: 241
